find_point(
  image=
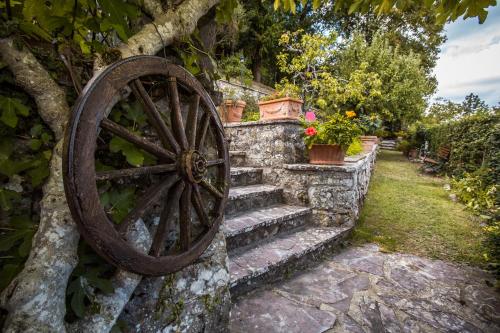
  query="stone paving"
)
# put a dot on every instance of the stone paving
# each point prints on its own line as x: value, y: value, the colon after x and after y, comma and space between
x: 364, y: 290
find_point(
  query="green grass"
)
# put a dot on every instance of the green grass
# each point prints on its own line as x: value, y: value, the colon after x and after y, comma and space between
x: 406, y: 211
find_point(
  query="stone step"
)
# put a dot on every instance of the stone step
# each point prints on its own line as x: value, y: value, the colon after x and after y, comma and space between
x: 283, y: 254
x: 241, y: 176
x: 237, y: 158
x: 246, y: 198
x: 250, y: 227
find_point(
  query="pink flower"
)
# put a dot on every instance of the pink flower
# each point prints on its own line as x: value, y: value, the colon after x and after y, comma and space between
x: 310, y: 116
x: 310, y: 131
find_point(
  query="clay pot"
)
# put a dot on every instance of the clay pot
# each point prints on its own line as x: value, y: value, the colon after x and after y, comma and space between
x: 367, y: 146
x: 326, y: 154
x: 281, y: 108
x: 369, y: 138
x: 232, y: 111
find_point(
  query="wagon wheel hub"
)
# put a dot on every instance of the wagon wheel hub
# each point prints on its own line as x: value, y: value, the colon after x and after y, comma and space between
x: 193, y: 166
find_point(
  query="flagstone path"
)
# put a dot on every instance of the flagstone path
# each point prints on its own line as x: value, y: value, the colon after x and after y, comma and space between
x: 364, y: 290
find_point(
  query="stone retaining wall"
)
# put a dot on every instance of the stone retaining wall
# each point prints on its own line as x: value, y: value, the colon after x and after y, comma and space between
x: 335, y: 193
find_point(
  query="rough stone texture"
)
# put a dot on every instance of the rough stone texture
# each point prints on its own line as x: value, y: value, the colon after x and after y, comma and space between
x: 196, y: 299
x: 335, y: 193
x: 249, y: 227
x: 268, y: 144
x: 364, y: 290
x: 284, y: 254
x: 237, y: 158
x: 245, y: 176
x: 245, y: 198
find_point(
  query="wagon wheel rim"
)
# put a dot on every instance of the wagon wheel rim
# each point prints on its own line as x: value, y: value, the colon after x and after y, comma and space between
x: 182, y: 166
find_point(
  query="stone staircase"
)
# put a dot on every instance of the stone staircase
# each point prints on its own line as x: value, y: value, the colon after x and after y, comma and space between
x: 268, y: 239
x: 388, y: 144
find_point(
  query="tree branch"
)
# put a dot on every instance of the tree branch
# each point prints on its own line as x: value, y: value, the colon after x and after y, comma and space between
x: 36, y: 80
x: 171, y: 24
x: 111, y: 306
x: 36, y: 298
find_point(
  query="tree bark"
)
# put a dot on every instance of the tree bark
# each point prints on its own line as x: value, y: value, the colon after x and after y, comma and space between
x: 36, y: 297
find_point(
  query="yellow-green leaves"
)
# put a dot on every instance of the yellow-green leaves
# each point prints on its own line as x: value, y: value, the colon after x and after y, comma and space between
x: 12, y: 108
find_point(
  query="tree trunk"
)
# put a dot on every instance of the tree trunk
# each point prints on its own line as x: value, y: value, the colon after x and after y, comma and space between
x: 256, y: 68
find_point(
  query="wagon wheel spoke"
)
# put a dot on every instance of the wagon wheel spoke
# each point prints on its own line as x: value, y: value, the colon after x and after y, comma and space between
x: 215, y: 162
x: 202, y: 132
x: 163, y: 227
x: 166, y: 136
x: 199, y: 207
x: 153, y: 193
x: 192, y: 121
x: 211, y: 189
x: 176, y: 113
x: 133, y: 172
x: 137, y: 140
x: 185, y: 218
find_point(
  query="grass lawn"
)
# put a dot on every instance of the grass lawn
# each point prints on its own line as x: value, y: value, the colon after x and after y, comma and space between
x: 406, y: 211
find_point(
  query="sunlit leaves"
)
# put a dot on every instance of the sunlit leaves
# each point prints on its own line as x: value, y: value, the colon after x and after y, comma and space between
x: 87, y: 23
x: 445, y: 10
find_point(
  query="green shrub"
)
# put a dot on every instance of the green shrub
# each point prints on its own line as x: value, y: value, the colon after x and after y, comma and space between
x: 355, y: 148
x: 477, y: 196
x: 251, y: 111
x: 404, y: 146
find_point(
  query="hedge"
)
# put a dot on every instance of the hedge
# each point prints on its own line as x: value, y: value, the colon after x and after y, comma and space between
x: 474, y: 143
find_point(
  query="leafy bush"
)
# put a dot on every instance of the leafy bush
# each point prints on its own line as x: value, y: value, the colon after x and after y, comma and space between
x: 251, y: 111
x: 234, y: 67
x: 404, y: 146
x: 355, y: 148
x: 478, y: 197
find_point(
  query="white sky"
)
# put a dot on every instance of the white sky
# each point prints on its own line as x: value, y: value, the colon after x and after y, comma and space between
x: 470, y: 60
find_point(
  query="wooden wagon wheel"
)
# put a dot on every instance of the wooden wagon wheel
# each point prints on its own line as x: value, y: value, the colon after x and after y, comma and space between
x: 187, y: 183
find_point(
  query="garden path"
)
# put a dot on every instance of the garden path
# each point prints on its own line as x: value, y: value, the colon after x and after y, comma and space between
x: 364, y: 290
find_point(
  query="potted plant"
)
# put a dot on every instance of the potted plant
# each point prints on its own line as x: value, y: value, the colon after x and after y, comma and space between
x: 232, y: 107
x: 328, y: 141
x: 285, y: 103
x: 370, y: 124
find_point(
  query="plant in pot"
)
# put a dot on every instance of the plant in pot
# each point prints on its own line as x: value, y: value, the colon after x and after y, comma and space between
x: 232, y: 108
x: 284, y: 103
x: 369, y: 124
x: 328, y: 140
x: 231, y: 67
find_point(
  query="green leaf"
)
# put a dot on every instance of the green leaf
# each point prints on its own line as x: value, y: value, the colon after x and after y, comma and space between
x: 35, y: 144
x: 133, y: 154
x: 120, y: 203
x: 11, y: 108
x: 7, y: 197
x: 8, y: 239
x: 77, y: 293
x: 39, y: 173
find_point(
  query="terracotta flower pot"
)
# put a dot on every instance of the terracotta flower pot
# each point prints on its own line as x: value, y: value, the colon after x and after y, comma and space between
x: 326, y: 154
x: 367, y: 146
x: 232, y: 111
x: 369, y: 138
x: 282, y: 108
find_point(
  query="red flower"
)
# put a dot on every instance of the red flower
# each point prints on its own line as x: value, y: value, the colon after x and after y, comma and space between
x: 310, y: 131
